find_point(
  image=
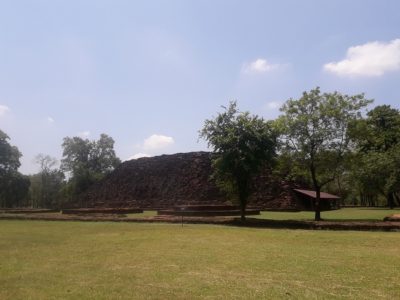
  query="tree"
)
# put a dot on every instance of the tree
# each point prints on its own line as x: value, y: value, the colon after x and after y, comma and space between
x: 46, y: 186
x: 14, y: 189
x: 377, y: 139
x: 242, y: 145
x: 9, y: 155
x: 87, y: 161
x: 96, y: 156
x: 314, y: 132
x: 13, y: 185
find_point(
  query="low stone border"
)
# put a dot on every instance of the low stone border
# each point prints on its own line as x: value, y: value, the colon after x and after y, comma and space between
x: 250, y: 222
x: 26, y: 210
x: 124, y: 210
x: 206, y: 213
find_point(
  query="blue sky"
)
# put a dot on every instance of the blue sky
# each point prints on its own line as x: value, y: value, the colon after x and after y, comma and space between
x: 149, y: 73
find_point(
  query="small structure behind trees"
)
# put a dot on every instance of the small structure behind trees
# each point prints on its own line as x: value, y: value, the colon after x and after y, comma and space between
x: 306, y: 200
x: 314, y: 135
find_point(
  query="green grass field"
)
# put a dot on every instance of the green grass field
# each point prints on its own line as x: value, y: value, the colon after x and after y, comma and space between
x: 344, y: 214
x: 104, y: 260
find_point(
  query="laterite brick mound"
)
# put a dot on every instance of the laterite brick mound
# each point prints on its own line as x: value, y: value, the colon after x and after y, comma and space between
x: 179, y: 179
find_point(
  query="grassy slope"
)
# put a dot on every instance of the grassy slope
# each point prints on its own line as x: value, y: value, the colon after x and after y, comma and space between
x: 75, y: 260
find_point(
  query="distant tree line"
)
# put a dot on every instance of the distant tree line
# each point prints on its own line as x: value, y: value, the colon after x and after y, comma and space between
x: 13, y: 185
x: 328, y: 141
x: 84, y: 163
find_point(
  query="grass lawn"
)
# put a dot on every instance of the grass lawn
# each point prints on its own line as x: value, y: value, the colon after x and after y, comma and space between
x: 344, y: 214
x: 355, y: 214
x: 104, y: 260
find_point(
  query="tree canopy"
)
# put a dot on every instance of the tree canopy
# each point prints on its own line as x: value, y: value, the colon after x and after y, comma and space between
x: 87, y: 161
x: 314, y: 132
x: 9, y: 155
x: 377, y: 141
x: 242, y: 144
x: 47, y: 185
x: 13, y: 185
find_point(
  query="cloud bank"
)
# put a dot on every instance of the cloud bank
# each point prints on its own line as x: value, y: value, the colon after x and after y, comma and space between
x: 273, y: 105
x: 4, y: 109
x: 139, y: 155
x: 259, y: 65
x: 368, y: 60
x: 157, y: 142
x: 153, y: 144
x: 84, y: 134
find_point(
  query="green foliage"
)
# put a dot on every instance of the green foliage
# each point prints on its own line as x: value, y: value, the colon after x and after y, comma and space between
x: 46, y: 186
x: 380, y: 131
x: 314, y: 133
x: 377, y: 164
x: 13, y: 185
x: 242, y: 145
x: 87, y: 162
x: 94, y: 156
x: 14, y: 188
x: 9, y: 155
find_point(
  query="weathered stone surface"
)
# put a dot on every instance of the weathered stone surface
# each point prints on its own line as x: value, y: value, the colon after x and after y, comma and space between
x: 178, y: 179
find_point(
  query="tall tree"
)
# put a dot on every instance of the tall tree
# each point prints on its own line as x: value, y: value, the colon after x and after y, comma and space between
x: 13, y: 185
x: 9, y: 155
x: 46, y: 186
x: 87, y: 161
x: 242, y: 145
x: 314, y: 132
x: 377, y: 138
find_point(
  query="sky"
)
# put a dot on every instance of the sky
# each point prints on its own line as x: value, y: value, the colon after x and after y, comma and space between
x: 148, y: 73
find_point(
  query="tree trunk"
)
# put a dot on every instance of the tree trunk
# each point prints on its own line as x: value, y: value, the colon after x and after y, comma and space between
x: 317, y: 188
x: 242, y: 212
x: 390, y: 200
x: 317, y: 204
x: 243, y: 187
x: 340, y: 191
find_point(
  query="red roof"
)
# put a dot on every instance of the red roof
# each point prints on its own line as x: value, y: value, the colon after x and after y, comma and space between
x: 313, y: 194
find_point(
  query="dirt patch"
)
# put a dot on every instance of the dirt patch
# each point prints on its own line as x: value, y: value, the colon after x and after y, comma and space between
x: 392, y: 218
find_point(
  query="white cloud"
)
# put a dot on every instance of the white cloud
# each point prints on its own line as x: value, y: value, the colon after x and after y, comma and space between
x: 260, y: 65
x: 273, y: 105
x: 153, y: 145
x: 50, y: 120
x: 369, y: 60
x: 156, y: 142
x: 4, y: 109
x: 139, y: 155
x: 84, y: 134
